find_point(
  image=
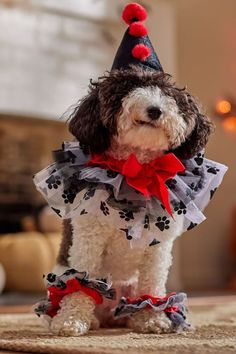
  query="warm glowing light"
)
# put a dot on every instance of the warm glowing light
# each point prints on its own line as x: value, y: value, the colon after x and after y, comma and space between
x: 223, y: 107
x: 229, y: 124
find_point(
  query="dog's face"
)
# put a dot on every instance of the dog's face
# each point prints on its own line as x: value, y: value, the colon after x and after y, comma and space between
x: 151, y: 120
x: 143, y: 110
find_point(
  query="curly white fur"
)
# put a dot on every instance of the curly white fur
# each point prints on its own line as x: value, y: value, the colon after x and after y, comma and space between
x: 100, y: 249
x: 103, y: 251
x: 149, y: 322
x: 75, y: 317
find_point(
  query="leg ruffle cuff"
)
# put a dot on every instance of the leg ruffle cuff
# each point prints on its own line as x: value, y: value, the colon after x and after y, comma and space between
x: 172, y: 305
x: 69, y: 282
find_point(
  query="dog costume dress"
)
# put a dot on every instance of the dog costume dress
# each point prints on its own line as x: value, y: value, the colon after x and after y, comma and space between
x: 138, y: 199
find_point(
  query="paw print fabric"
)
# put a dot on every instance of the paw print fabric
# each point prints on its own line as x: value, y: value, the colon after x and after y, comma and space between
x: 74, y: 189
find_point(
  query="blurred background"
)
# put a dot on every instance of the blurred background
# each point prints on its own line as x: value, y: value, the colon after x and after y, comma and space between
x: 49, y: 49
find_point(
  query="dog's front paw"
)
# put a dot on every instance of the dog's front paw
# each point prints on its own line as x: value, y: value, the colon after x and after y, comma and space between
x: 75, y: 317
x: 69, y: 327
x: 149, y: 321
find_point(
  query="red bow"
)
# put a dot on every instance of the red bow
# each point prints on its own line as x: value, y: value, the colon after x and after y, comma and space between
x: 148, y: 178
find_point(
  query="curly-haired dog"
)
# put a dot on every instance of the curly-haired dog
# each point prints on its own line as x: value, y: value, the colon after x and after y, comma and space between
x: 135, y: 111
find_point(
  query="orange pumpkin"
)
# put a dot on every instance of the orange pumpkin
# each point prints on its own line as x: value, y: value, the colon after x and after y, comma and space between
x: 26, y: 257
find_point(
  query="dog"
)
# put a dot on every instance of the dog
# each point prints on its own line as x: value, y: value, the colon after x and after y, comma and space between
x: 127, y: 112
x: 140, y: 113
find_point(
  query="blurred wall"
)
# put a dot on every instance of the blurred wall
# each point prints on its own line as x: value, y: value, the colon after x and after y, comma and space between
x: 50, y: 49
x: 207, y: 64
x: 48, y: 53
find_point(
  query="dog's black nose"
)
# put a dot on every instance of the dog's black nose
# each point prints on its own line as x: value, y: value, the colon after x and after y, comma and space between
x: 154, y: 112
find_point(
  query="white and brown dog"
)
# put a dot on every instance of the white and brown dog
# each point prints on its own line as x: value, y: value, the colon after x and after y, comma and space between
x: 134, y: 110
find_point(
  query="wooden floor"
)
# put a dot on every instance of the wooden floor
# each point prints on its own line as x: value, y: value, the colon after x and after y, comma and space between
x: 7, y: 352
x: 16, y: 309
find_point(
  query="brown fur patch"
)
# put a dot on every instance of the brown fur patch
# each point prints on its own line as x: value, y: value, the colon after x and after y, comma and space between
x: 66, y: 243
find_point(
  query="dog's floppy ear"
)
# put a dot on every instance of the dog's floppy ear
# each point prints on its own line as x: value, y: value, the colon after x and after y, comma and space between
x: 86, y: 125
x: 198, y: 138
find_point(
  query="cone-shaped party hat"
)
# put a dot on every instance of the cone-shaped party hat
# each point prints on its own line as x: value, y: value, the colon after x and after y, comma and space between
x: 136, y: 47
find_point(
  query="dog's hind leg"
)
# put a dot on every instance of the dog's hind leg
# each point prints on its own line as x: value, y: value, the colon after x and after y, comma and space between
x: 89, y: 240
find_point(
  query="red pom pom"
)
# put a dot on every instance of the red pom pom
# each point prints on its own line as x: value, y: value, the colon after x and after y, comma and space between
x: 141, y: 52
x: 137, y: 29
x: 134, y: 12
